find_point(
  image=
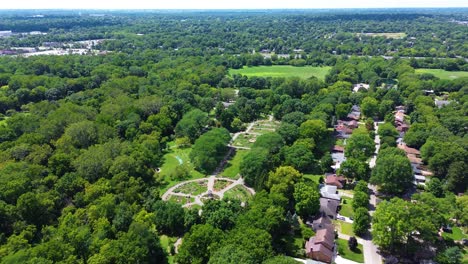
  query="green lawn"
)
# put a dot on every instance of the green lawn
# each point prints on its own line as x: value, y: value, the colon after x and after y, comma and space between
x: 344, y: 228
x: 243, y: 140
x: 443, y: 74
x: 457, y: 234
x: 346, y: 208
x: 345, y: 252
x: 175, y: 157
x: 283, y: 71
x: 239, y: 192
x: 314, y: 178
x: 166, y: 243
x: 232, y: 167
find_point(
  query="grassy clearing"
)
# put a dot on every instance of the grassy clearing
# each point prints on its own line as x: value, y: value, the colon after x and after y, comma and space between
x: 174, y: 158
x: 443, y: 74
x: 232, y: 167
x: 346, y: 208
x: 344, y: 228
x: 314, y: 178
x: 345, y: 252
x: 239, y: 192
x: 166, y: 243
x: 457, y: 234
x: 397, y: 35
x: 283, y: 71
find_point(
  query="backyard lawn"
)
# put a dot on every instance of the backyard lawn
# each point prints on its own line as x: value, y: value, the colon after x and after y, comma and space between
x: 232, y: 167
x: 346, y: 208
x: 314, y: 178
x: 344, y: 228
x: 283, y: 71
x: 345, y: 252
x: 443, y: 74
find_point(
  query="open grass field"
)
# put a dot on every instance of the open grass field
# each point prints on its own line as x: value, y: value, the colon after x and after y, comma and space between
x: 283, y: 71
x: 397, y: 35
x: 443, y: 74
x: 232, y: 167
x: 174, y: 158
x: 345, y: 252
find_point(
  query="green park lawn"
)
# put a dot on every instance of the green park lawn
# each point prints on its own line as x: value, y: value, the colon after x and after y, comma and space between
x: 166, y: 243
x: 443, y: 74
x: 345, y: 252
x: 346, y: 208
x: 174, y: 158
x: 283, y: 71
x: 232, y: 167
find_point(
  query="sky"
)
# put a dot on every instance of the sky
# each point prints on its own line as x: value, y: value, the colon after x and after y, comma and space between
x: 224, y: 4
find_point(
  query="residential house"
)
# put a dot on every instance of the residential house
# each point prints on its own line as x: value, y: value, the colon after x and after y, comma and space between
x: 321, y: 246
x: 322, y: 222
x: 329, y: 207
x: 342, y: 131
x: 359, y: 86
x: 333, y: 179
x: 329, y: 192
x: 337, y: 148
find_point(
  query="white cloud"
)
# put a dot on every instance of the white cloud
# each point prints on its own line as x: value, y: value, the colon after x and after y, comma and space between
x: 225, y: 4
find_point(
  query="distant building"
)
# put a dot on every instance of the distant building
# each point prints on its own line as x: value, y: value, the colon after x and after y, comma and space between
x: 6, y: 33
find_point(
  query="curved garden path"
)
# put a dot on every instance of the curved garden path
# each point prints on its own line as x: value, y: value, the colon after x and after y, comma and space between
x: 209, y: 190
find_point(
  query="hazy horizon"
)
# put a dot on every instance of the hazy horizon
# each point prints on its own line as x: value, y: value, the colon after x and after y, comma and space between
x: 239, y: 4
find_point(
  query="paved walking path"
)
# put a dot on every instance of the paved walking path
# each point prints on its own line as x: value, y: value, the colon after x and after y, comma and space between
x: 209, y: 189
